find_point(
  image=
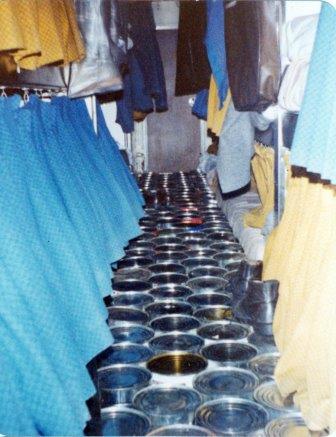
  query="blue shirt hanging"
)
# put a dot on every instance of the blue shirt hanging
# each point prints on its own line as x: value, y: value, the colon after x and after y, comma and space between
x: 215, y: 44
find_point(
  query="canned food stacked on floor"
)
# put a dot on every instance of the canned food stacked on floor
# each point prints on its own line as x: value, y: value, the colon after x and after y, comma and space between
x: 193, y: 351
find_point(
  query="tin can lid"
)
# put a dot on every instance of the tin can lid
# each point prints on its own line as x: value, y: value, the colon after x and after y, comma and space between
x: 224, y: 330
x: 166, y: 400
x: 228, y: 381
x: 292, y: 424
x: 229, y: 351
x: 121, y: 421
x: 131, y: 334
x: 264, y: 365
x: 232, y: 416
x: 269, y: 396
x: 176, y: 341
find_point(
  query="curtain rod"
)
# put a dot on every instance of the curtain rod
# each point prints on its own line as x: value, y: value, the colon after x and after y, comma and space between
x: 32, y: 88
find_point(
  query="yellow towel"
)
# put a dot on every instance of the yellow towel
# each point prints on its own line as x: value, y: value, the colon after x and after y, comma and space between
x: 301, y: 254
x: 216, y: 116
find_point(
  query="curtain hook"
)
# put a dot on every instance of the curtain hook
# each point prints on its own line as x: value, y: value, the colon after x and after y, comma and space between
x: 38, y: 92
x: 25, y: 95
x: 3, y: 91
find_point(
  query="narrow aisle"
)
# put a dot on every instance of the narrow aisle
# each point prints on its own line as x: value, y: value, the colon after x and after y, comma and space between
x: 192, y: 324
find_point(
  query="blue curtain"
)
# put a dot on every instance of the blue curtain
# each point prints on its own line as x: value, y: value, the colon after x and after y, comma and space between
x: 65, y: 216
x: 315, y: 134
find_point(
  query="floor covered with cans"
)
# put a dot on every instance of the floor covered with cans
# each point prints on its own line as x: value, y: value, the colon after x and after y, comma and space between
x: 193, y: 351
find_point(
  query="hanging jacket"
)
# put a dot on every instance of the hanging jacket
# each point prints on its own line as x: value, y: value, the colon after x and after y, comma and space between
x: 142, y: 32
x: 134, y: 97
x: 192, y: 65
x: 215, y: 44
x: 99, y: 71
x: 253, y: 53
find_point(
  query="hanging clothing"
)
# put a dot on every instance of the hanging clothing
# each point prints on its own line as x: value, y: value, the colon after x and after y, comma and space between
x: 236, y: 146
x: 299, y: 36
x: 314, y: 143
x: 235, y: 150
x: 134, y: 97
x: 200, y: 106
x: 142, y: 32
x: 215, y: 44
x: 216, y: 116
x: 144, y: 87
x: 253, y: 53
x: 192, y: 65
x: 263, y: 171
x: 99, y: 72
x: 40, y: 32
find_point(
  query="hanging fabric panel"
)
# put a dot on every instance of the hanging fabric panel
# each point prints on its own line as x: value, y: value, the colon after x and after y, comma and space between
x: 114, y: 159
x: 253, y: 53
x: 314, y: 148
x: 263, y: 170
x: 66, y: 216
x: 300, y: 252
x: 192, y: 65
x: 142, y: 32
x: 144, y: 81
x: 235, y: 150
x: 39, y: 32
x: 299, y: 36
x: 99, y: 72
x: 216, y: 116
x: 36, y: 324
x: 215, y: 44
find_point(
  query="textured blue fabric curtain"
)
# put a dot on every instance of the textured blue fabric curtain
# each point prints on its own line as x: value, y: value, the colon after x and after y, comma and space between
x: 114, y: 159
x: 315, y: 134
x: 65, y: 216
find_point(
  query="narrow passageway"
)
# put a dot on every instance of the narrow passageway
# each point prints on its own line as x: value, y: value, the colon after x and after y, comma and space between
x: 167, y: 218
x: 193, y: 346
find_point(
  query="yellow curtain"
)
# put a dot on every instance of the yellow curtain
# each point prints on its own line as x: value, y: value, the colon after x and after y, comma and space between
x: 40, y: 32
x: 26, y: 13
x: 11, y: 37
x: 216, y: 116
x: 301, y: 254
x: 263, y: 171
